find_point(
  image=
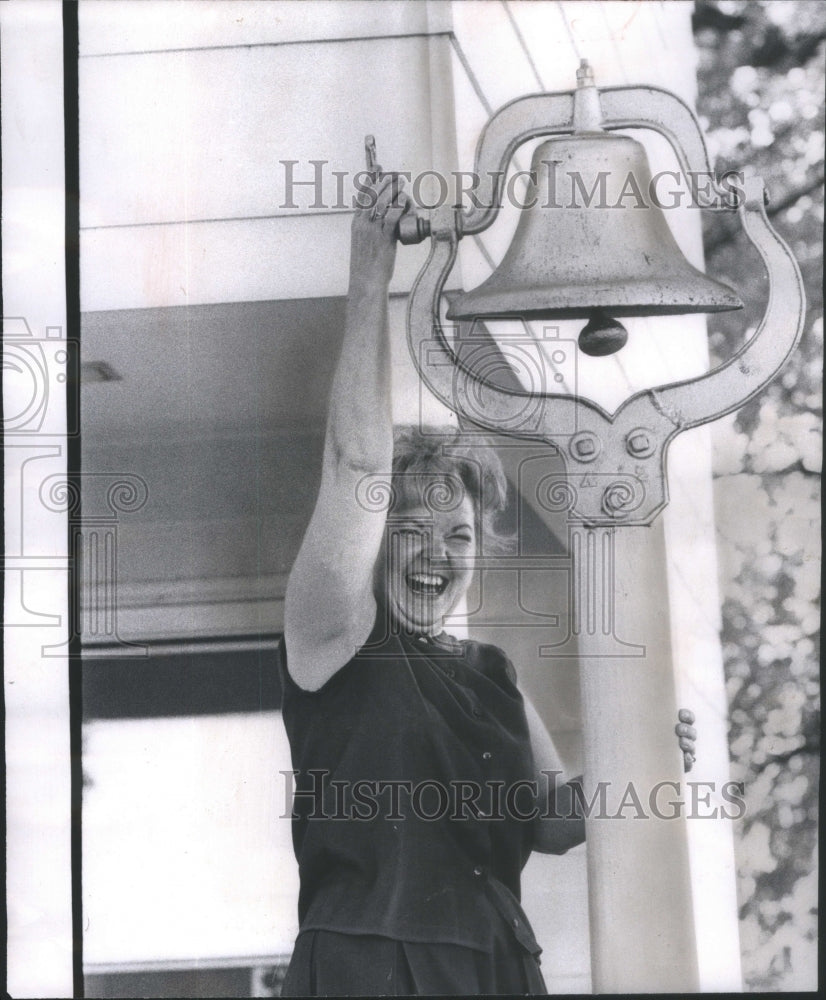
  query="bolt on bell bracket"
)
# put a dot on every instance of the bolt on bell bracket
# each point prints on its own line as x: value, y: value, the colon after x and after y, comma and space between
x: 615, y: 463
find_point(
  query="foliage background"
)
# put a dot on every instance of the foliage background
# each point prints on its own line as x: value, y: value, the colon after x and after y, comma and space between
x: 761, y: 75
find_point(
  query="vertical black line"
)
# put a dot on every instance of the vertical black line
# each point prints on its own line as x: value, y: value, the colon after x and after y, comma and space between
x: 72, y: 266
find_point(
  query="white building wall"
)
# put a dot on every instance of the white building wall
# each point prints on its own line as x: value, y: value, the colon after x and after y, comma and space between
x: 35, y: 691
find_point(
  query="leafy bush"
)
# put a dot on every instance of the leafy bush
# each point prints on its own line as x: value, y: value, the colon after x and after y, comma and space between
x: 761, y: 75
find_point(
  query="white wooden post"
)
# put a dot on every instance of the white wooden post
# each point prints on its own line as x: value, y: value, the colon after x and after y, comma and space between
x: 640, y: 906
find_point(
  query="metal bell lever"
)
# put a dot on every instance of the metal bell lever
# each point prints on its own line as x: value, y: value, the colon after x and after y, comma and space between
x: 373, y: 168
x: 412, y: 228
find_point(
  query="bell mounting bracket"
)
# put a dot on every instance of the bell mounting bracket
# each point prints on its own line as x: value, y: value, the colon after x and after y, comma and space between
x: 615, y: 462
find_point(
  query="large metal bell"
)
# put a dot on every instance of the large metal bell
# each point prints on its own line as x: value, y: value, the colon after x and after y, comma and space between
x: 593, y: 243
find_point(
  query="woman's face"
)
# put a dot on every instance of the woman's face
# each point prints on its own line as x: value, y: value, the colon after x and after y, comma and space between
x: 426, y: 563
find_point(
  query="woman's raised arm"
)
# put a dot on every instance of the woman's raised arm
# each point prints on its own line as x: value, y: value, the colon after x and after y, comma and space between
x: 330, y: 608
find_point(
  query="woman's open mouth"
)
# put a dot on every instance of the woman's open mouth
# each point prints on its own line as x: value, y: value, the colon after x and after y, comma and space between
x: 427, y: 584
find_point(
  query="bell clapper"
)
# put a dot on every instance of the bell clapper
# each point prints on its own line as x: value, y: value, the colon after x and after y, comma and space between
x: 602, y: 335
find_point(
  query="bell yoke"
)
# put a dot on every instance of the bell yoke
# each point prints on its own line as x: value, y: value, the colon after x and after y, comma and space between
x: 596, y: 257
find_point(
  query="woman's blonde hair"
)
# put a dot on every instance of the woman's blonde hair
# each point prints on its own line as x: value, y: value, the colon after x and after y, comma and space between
x: 439, y: 465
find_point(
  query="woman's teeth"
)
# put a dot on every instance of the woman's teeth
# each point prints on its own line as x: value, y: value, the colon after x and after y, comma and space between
x: 430, y: 584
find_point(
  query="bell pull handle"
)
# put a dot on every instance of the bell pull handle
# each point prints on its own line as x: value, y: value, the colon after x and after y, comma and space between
x: 412, y: 227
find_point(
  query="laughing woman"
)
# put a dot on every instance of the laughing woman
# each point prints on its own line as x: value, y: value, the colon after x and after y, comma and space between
x: 419, y: 764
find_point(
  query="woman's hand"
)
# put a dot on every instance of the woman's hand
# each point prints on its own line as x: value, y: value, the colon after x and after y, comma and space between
x: 380, y: 205
x: 687, y: 736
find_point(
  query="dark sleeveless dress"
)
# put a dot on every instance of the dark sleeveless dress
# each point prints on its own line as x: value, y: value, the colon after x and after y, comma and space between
x: 412, y: 822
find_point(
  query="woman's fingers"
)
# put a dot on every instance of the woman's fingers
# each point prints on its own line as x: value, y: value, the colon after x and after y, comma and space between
x: 400, y: 206
x: 687, y: 736
x: 368, y: 195
x: 379, y: 205
x: 390, y: 196
x: 402, y: 199
x: 384, y: 196
x: 374, y: 228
